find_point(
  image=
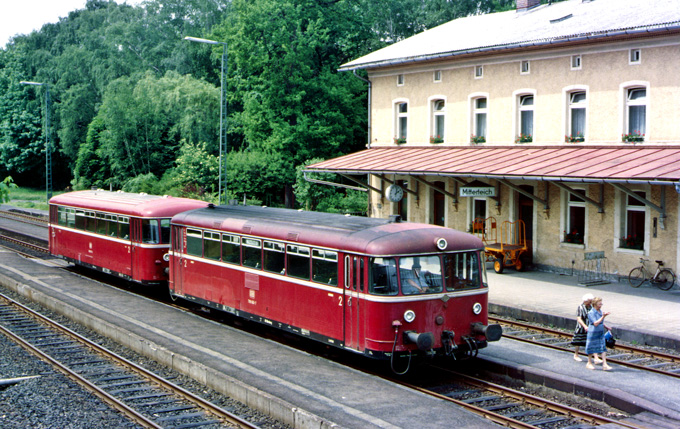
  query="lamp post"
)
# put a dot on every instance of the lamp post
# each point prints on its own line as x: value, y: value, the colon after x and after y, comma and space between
x: 48, y: 146
x: 222, y: 182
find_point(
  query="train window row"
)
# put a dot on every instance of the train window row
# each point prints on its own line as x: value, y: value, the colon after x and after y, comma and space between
x: 301, y: 262
x: 387, y: 276
x: 153, y: 231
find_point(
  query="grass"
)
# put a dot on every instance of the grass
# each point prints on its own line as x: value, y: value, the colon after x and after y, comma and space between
x: 29, y: 198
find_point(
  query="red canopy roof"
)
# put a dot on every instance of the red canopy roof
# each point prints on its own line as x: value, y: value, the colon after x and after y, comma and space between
x: 560, y: 163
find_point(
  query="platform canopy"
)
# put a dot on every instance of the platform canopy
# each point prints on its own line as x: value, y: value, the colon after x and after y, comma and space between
x: 649, y: 165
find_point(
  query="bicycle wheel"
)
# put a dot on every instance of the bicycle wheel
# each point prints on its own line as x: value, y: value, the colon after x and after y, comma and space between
x: 665, y: 280
x: 636, y: 277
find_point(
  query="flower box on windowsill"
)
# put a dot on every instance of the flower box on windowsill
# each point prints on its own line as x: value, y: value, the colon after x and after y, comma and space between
x: 400, y: 140
x: 477, y: 139
x: 524, y: 138
x: 573, y: 238
x: 634, y: 137
x: 631, y: 243
x: 437, y: 139
x: 578, y: 138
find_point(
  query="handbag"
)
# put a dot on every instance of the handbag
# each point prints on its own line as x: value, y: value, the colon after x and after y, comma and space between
x: 609, y: 340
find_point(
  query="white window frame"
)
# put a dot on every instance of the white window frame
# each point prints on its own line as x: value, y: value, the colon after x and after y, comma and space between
x: 568, y: 93
x: 478, y: 72
x: 634, y: 57
x: 472, y: 119
x: 437, y: 76
x: 576, y: 62
x: 432, y: 101
x: 621, y: 221
x: 625, y: 104
x: 398, y: 116
x: 524, y: 67
x: 516, y: 117
x: 565, y: 223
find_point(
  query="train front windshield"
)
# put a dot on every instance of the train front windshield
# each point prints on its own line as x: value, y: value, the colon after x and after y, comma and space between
x: 415, y: 275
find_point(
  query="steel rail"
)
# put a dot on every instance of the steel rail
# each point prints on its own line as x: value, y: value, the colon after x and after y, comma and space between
x: 668, y: 358
x: 22, y: 243
x: 148, y: 375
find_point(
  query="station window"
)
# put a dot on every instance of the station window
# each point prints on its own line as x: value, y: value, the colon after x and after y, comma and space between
x: 252, y: 252
x: 576, y: 218
x: 194, y: 242
x: 231, y: 249
x: 634, y: 227
x: 325, y: 267
x: 150, y: 231
x: 383, y: 272
x: 274, y: 257
x: 211, y: 245
x: 526, y: 116
x: 462, y: 271
x: 298, y: 261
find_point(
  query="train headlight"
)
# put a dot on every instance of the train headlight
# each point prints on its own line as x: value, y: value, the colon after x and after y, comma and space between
x: 166, y: 257
x: 477, y: 308
x: 409, y: 315
x: 441, y: 243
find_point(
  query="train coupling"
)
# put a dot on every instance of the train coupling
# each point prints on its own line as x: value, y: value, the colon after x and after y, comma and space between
x: 424, y: 340
x: 492, y: 332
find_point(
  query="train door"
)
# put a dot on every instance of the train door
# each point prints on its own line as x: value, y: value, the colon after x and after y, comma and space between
x: 526, y: 215
x: 177, y: 248
x: 355, y: 284
x: 135, y: 249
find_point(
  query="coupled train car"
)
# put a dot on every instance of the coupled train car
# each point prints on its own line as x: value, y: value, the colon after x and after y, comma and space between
x: 379, y: 287
x: 118, y: 233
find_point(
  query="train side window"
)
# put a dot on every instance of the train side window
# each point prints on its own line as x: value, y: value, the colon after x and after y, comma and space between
x: 150, y: 231
x: 194, y: 242
x: 102, y: 225
x: 274, y: 257
x: 165, y: 231
x: 462, y: 271
x: 252, y: 253
x: 297, y: 261
x: 90, y: 221
x: 383, y: 276
x: 111, y: 225
x: 80, y: 219
x: 325, y: 267
x: 71, y: 218
x: 124, y: 227
x: 231, y: 249
x: 61, y: 216
x: 211, y: 245
x: 348, y: 278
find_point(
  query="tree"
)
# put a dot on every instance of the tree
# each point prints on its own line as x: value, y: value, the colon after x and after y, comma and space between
x: 5, y: 187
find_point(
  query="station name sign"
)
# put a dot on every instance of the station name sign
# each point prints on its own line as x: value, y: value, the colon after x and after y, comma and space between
x: 477, y: 191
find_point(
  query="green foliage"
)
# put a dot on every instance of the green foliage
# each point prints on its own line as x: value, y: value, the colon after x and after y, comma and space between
x: 5, y: 187
x: 196, y: 169
x: 318, y: 197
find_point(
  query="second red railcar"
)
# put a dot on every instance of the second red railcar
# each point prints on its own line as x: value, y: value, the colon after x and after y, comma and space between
x: 118, y: 233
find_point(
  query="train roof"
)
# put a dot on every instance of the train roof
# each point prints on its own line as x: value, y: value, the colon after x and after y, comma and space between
x: 352, y: 233
x: 126, y: 203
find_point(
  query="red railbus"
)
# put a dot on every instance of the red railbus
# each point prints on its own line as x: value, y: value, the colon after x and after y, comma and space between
x: 118, y: 233
x: 379, y: 287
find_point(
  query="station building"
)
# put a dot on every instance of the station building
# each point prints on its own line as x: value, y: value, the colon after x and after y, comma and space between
x: 565, y: 116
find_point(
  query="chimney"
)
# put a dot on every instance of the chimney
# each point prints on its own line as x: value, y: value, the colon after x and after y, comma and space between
x: 524, y: 5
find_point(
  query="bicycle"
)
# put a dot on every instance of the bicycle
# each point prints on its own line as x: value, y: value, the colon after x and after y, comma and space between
x: 663, y: 278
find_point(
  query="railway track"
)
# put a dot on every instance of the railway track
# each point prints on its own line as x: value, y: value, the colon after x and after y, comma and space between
x: 21, y: 217
x: 634, y: 357
x: 510, y: 407
x: 142, y: 396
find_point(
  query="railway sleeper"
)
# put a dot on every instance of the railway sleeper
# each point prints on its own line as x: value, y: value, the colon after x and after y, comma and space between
x: 503, y: 406
x: 172, y: 409
x: 525, y: 413
x: 481, y: 399
x: 548, y: 420
x: 179, y: 417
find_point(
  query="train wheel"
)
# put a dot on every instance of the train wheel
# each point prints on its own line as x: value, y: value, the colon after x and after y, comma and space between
x: 498, y: 265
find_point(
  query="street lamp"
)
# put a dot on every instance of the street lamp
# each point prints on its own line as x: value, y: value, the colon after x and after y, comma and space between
x: 48, y: 147
x: 223, y: 119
